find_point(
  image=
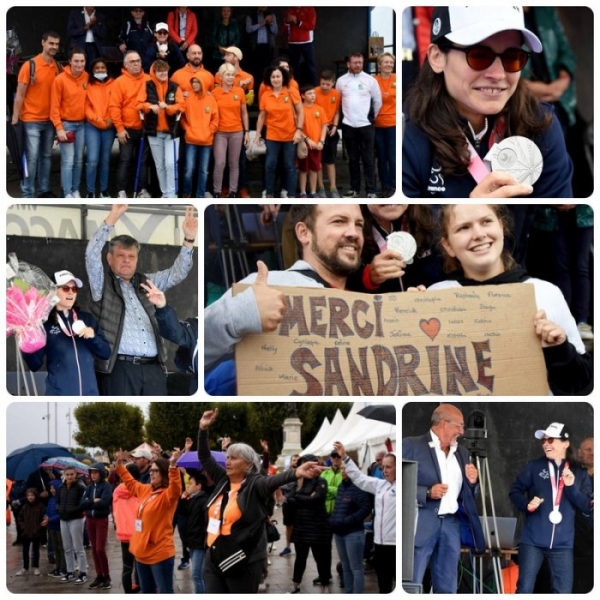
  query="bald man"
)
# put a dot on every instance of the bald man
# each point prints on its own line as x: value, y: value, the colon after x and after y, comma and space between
x: 446, y: 481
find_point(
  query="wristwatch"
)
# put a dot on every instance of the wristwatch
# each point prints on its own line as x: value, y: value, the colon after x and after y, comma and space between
x: 189, y: 241
x: 428, y: 492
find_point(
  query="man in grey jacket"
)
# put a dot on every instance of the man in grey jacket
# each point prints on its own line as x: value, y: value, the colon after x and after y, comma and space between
x: 331, y: 241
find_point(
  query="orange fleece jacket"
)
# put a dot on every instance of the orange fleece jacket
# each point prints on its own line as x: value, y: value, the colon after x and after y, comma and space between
x: 126, y: 98
x: 201, y: 119
x: 96, y: 104
x: 67, y: 99
x: 182, y: 78
x: 154, y: 543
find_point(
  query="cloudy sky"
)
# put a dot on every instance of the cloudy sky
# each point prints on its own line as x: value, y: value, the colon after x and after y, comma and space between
x: 28, y: 423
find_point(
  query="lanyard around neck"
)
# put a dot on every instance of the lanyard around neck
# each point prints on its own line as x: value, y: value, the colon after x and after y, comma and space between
x: 477, y: 167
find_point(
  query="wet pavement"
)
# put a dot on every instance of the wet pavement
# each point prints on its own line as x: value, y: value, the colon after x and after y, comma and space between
x: 279, y: 579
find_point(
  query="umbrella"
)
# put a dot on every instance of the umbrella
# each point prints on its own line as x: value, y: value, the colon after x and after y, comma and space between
x: 190, y: 460
x: 379, y: 412
x: 63, y: 462
x: 24, y: 461
x: 14, y: 142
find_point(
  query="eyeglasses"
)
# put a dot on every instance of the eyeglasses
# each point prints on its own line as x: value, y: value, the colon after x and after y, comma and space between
x: 480, y: 58
x: 134, y: 61
x: 153, y: 470
x: 69, y: 288
x: 549, y: 440
x: 459, y: 425
x: 162, y: 33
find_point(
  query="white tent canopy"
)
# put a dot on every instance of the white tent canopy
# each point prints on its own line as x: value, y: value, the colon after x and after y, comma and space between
x: 366, y: 436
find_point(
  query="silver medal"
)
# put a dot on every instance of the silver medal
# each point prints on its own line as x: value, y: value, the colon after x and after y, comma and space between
x: 403, y: 243
x: 555, y: 516
x: 520, y: 157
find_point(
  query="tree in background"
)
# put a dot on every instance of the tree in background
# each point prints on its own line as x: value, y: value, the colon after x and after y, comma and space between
x: 109, y: 425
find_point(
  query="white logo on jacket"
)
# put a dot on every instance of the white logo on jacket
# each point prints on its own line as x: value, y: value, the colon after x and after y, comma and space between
x: 54, y: 330
x: 436, y: 180
x: 544, y: 474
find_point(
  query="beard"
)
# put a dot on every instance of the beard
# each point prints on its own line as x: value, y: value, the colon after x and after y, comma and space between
x: 333, y: 262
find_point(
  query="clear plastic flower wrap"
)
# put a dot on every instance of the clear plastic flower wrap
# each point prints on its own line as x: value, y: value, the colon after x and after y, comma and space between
x: 30, y: 296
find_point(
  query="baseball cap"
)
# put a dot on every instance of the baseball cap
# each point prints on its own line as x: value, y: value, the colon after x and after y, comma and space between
x: 554, y: 430
x: 335, y: 454
x: 161, y: 27
x: 62, y: 277
x: 468, y: 25
x: 233, y: 49
x: 141, y: 453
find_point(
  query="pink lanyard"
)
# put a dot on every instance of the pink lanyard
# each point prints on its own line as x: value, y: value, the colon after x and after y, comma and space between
x: 477, y: 167
x: 62, y: 325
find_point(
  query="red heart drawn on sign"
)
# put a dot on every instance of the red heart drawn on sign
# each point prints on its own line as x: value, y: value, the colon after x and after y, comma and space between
x: 430, y: 327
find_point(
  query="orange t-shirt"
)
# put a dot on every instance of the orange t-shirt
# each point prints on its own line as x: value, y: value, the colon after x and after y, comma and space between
x: 329, y: 102
x: 387, y: 114
x: 67, y: 101
x: 279, y: 114
x: 36, y: 104
x: 294, y: 87
x: 230, y: 108
x: 314, y: 119
x: 231, y: 514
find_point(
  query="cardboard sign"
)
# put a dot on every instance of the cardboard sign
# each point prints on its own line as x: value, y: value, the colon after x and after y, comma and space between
x: 473, y: 341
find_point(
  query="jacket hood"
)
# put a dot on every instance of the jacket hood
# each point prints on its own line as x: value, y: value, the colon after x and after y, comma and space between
x: 100, y: 468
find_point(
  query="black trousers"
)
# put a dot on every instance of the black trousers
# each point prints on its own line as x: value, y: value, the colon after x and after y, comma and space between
x: 129, y: 379
x: 129, y: 161
x: 322, y: 555
x: 385, y: 567
x: 360, y: 144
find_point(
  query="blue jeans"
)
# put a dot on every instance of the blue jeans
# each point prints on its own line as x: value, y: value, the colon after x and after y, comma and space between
x: 196, y: 157
x: 164, y: 152
x: 71, y: 158
x: 197, y: 555
x: 385, y: 142
x: 157, y: 578
x: 39, y: 137
x: 442, y: 552
x: 98, y: 143
x: 350, y: 548
x: 288, y: 150
x: 560, y: 565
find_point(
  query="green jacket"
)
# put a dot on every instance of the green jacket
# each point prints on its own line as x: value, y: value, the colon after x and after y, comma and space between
x: 333, y: 479
x: 557, y: 54
x: 546, y: 217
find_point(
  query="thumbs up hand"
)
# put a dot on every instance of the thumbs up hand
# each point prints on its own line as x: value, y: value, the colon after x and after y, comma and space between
x: 270, y: 302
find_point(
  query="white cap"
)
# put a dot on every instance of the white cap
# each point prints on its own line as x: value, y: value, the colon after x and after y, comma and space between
x: 554, y: 430
x: 141, y: 453
x: 62, y: 277
x: 233, y: 50
x: 468, y: 25
x: 161, y: 27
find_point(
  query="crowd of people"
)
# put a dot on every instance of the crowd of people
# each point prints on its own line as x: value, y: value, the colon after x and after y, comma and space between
x: 554, y: 493
x: 221, y: 511
x: 459, y: 101
x: 345, y: 247
x: 179, y: 123
x: 117, y: 348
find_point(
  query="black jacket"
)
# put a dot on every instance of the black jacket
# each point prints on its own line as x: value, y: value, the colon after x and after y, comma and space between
x: 101, y: 491
x: 68, y: 499
x: 311, y: 523
x: 195, y: 510
x: 151, y: 119
x: 352, y: 507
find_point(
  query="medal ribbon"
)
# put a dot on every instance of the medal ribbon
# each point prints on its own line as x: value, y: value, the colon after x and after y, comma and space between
x: 557, y: 490
x: 477, y: 167
x: 67, y: 332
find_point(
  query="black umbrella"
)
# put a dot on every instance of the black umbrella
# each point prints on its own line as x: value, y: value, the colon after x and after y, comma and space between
x: 379, y: 412
x: 24, y: 461
x: 14, y: 142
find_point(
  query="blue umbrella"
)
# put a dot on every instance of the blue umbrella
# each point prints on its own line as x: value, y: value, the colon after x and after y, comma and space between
x: 24, y: 461
x: 190, y: 460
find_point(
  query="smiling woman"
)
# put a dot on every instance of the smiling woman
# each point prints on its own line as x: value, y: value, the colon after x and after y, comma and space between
x: 469, y: 96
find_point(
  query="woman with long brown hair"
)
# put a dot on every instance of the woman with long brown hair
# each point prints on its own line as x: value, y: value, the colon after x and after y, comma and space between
x: 469, y: 97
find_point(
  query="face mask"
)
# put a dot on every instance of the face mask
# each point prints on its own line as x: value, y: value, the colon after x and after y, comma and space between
x: 100, y: 76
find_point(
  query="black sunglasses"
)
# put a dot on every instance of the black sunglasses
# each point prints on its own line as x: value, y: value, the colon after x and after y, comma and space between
x: 480, y: 58
x: 549, y: 440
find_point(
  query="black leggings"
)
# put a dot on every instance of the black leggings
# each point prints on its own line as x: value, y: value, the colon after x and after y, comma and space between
x: 322, y: 555
x: 35, y: 559
x: 385, y: 567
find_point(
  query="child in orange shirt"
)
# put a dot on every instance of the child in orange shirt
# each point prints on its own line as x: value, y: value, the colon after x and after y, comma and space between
x: 330, y: 100
x: 315, y: 129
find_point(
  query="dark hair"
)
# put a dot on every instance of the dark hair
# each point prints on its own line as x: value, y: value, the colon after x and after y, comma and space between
x: 33, y: 491
x: 277, y: 62
x: 97, y: 61
x: 417, y: 219
x: 162, y: 464
x: 75, y: 50
x: 501, y: 211
x: 123, y: 241
x: 355, y: 55
x: 303, y: 213
x: 200, y: 479
x: 430, y: 108
x: 50, y: 34
x: 53, y: 316
x: 306, y: 87
x: 134, y: 470
x: 327, y: 75
x: 270, y: 70
x: 160, y: 65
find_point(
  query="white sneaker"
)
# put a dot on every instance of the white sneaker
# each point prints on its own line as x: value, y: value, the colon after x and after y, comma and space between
x: 36, y: 572
x: 76, y: 194
x: 21, y: 572
x: 122, y: 194
x: 208, y: 195
x: 585, y: 331
x: 283, y: 194
x: 144, y: 193
x: 69, y: 196
x: 264, y: 194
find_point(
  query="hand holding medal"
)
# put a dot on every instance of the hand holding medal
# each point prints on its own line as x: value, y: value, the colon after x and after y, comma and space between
x: 405, y: 244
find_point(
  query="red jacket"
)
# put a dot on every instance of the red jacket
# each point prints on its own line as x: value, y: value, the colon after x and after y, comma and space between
x: 191, y: 27
x: 303, y: 29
